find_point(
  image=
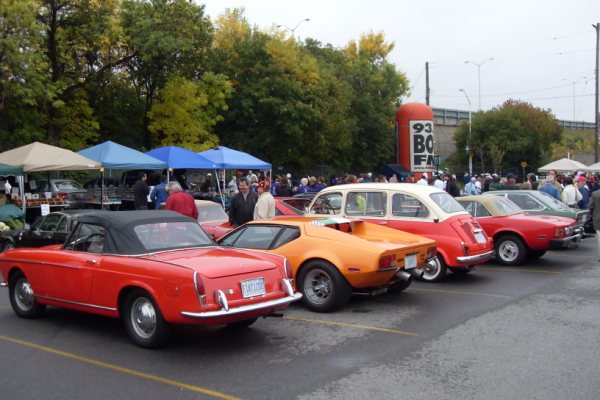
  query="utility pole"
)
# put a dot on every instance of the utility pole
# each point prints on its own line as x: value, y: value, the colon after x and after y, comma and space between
x: 596, y: 112
x: 427, y: 82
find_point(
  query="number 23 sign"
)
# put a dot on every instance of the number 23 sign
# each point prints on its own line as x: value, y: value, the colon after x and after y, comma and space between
x: 421, y: 146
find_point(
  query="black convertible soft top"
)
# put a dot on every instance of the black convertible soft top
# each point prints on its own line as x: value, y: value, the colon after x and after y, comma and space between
x: 120, y: 237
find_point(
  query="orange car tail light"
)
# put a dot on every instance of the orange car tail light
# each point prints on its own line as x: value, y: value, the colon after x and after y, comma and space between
x: 388, y: 261
x: 200, y: 289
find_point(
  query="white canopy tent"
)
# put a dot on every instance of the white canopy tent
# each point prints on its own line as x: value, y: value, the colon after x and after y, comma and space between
x: 563, y: 165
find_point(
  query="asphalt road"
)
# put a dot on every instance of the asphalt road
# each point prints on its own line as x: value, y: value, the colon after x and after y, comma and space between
x: 529, y: 332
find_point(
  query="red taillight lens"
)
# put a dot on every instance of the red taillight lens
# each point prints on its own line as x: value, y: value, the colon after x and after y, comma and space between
x: 200, y: 289
x: 387, y: 261
x: 288, y: 269
x: 431, y: 252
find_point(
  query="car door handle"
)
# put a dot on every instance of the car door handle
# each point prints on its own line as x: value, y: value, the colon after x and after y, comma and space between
x: 91, y: 260
x: 382, y: 223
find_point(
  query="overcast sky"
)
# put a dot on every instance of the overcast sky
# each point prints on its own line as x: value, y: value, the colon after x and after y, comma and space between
x: 542, y: 50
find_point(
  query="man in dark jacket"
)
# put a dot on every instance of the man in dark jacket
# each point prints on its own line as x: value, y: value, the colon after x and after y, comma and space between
x: 451, y: 186
x: 141, y: 192
x: 242, y: 205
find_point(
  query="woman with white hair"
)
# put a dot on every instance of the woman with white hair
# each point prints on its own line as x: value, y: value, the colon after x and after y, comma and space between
x: 303, y: 187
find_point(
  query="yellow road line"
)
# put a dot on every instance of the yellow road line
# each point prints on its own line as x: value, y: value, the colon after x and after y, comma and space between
x: 533, y: 271
x: 459, y: 292
x: 367, y: 327
x: 118, y: 368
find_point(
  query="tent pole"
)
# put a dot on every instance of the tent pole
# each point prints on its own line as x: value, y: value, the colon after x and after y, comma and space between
x: 102, y: 189
x: 219, y: 187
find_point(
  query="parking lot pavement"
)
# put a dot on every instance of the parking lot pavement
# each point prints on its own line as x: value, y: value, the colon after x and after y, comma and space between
x: 498, y: 332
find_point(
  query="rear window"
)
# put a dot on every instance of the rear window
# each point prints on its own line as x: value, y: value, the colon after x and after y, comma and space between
x: 163, y: 236
x: 446, y: 202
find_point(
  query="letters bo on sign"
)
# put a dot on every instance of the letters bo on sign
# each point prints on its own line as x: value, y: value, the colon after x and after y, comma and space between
x: 421, y: 146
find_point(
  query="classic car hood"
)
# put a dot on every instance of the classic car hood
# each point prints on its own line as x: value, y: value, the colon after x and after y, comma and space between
x: 216, y: 262
x: 527, y: 218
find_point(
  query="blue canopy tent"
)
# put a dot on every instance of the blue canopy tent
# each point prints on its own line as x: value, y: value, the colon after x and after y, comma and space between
x: 116, y: 156
x: 227, y: 158
x: 178, y: 157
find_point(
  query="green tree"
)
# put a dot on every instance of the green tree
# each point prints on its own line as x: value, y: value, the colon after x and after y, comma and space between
x: 507, y: 135
x: 167, y: 38
x: 186, y: 112
x: 376, y: 86
x: 21, y: 80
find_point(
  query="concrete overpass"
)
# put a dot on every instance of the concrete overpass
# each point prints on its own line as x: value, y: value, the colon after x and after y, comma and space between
x: 447, y: 121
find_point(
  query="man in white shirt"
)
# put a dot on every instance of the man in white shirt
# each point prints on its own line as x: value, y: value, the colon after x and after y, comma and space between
x: 265, y: 206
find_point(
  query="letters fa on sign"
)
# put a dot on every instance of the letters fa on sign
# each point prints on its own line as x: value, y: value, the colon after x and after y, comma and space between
x: 421, y: 146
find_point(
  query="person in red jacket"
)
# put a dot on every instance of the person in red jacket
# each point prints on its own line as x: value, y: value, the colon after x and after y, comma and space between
x: 180, y: 201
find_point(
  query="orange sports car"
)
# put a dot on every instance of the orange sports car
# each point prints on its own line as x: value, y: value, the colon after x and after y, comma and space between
x: 333, y: 257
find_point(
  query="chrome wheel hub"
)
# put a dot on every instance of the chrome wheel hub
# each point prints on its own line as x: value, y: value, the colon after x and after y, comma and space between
x: 318, y: 286
x: 508, y: 251
x: 143, y: 317
x: 24, y: 295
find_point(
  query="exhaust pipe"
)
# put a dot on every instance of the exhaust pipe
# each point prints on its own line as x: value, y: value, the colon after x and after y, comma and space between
x: 403, y: 276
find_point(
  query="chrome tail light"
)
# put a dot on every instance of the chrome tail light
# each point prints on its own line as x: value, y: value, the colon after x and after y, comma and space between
x: 221, y: 299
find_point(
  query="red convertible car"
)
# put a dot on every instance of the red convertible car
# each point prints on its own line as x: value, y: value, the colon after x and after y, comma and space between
x: 150, y: 268
x: 518, y: 235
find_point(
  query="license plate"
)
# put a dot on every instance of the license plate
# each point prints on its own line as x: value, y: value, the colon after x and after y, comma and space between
x: 480, y: 237
x: 253, y: 287
x: 410, y: 261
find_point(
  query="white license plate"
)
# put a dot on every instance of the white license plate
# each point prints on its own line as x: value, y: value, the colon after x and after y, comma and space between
x: 410, y: 261
x: 480, y: 237
x: 253, y: 287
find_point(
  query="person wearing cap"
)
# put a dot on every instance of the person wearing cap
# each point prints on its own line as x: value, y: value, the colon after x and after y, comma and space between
x: 511, y: 182
x: 585, y: 192
x: 265, y: 206
x: 180, y: 201
x: 243, y: 203
x: 570, y: 195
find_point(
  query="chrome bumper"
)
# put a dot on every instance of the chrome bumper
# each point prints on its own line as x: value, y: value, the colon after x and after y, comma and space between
x: 565, y: 242
x: 238, y: 310
x: 3, y: 284
x: 478, y: 257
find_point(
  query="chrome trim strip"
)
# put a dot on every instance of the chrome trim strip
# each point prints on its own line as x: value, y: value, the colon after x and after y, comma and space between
x: 77, y: 303
x: 39, y: 263
x: 478, y: 257
x: 242, y: 309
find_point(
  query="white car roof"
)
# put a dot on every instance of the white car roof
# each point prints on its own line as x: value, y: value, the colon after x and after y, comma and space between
x: 412, y: 187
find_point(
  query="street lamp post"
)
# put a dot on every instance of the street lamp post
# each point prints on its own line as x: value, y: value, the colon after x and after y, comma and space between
x: 468, y: 148
x: 479, y: 74
x: 574, y: 82
x: 295, y: 27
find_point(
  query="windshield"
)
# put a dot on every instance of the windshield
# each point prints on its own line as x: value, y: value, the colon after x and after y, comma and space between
x: 446, y: 202
x: 211, y: 213
x: 506, y: 207
x: 171, y: 235
x: 552, y: 202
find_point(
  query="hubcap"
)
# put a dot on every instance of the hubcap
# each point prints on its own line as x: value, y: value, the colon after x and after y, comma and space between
x: 318, y: 286
x: 143, y: 317
x: 432, y: 269
x: 508, y: 251
x: 24, y: 295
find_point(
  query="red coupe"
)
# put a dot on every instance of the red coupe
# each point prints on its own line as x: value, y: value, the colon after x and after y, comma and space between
x: 150, y: 268
x: 518, y: 235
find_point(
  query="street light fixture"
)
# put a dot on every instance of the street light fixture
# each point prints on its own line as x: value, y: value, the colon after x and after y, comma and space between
x: 479, y: 74
x: 295, y: 27
x: 574, y: 82
x: 468, y: 148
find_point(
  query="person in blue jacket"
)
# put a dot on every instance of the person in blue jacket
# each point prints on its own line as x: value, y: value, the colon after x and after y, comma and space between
x: 159, y: 193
